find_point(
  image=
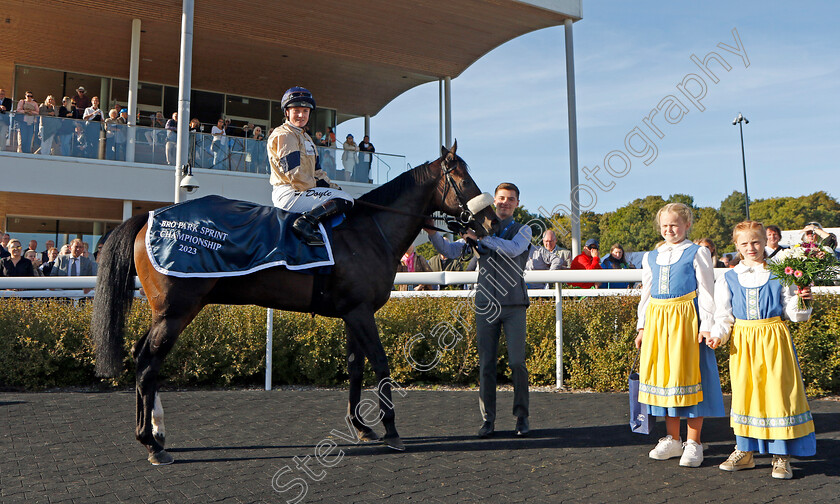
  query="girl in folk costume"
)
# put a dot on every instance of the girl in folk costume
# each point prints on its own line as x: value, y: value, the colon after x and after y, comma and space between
x: 678, y: 375
x: 770, y: 412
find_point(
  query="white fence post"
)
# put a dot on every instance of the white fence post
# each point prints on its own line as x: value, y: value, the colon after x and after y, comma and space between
x: 558, y: 333
x: 269, y: 344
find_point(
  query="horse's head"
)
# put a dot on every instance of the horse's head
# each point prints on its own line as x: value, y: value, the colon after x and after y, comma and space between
x: 459, y: 196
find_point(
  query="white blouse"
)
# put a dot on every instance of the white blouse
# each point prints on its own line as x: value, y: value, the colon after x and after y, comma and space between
x: 703, y: 271
x: 750, y: 277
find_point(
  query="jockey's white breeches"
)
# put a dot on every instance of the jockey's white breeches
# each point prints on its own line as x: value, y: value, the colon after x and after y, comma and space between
x: 283, y: 196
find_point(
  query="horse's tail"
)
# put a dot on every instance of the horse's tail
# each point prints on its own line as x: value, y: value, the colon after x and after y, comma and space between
x: 114, y: 294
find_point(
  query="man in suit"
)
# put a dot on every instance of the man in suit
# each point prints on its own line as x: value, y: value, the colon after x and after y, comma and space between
x: 45, y: 255
x: 74, y: 264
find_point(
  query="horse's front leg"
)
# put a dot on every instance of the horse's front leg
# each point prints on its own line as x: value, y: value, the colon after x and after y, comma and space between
x: 356, y: 366
x: 362, y: 326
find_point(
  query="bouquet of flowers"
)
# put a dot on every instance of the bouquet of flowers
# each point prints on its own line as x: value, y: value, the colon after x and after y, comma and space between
x: 802, y: 265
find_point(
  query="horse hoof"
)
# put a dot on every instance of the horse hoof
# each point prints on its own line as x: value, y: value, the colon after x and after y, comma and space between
x: 395, y: 443
x: 161, y: 439
x: 161, y: 458
x: 367, y: 436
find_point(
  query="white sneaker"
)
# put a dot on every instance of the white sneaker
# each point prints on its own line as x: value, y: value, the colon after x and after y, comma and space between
x: 692, y: 454
x: 667, y: 448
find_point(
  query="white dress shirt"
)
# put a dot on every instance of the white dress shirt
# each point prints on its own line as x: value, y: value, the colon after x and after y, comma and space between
x: 703, y: 271
x: 750, y: 277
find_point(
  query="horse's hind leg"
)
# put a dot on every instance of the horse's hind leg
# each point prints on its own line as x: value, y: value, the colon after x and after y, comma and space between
x: 150, y: 355
x: 361, y: 326
x: 158, y: 429
x: 356, y: 366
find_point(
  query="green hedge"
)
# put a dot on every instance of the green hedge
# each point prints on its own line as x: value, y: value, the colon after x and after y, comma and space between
x: 45, y: 344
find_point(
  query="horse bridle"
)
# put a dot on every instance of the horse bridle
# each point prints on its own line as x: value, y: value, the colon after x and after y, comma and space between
x: 466, y: 218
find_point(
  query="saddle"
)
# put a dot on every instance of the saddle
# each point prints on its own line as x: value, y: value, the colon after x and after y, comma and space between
x: 214, y: 236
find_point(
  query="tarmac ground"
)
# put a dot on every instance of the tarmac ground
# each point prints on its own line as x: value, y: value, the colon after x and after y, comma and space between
x: 288, y: 446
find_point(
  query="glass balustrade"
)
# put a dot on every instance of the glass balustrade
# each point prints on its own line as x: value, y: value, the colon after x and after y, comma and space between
x: 54, y: 136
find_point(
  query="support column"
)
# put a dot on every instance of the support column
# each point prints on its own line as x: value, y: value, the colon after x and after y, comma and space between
x: 184, y: 86
x: 128, y: 207
x: 367, y: 125
x: 133, y: 69
x: 104, y: 97
x: 440, y: 115
x: 447, y: 99
x: 573, y: 142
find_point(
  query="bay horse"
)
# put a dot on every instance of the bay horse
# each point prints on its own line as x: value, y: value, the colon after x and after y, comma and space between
x: 367, y: 248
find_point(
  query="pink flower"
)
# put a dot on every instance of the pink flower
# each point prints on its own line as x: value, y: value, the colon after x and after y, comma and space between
x: 797, y: 274
x: 788, y: 270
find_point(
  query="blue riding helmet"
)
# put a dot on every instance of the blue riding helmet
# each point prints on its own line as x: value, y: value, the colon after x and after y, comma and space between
x: 297, y: 97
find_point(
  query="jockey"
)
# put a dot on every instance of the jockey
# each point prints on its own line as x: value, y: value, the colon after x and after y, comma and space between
x: 299, y: 183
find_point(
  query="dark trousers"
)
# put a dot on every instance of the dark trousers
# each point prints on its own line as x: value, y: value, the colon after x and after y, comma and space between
x: 512, y: 318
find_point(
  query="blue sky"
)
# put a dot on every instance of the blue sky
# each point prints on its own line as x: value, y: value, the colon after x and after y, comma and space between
x: 510, y: 115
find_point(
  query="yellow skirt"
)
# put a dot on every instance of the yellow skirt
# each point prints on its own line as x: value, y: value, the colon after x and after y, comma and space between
x: 768, y: 395
x: 669, y: 367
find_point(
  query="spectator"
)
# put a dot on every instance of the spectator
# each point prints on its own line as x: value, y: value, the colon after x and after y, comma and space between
x: 219, y: 146
x: 74, y: 264
x: 724, y: 259
x: 774, y: 234
x: 330, y: 136
x: 66, y: 114
x: 5, y: 109
x: 16, y: 265
x: 27, y: 110
x: 412, y: 262
x: 4, y: 243
x: 442, y: 263
x: 550, y: 244
x: 616, y: 260
x: 587, y: 260
x: 365, y: 160
x: 171, y: 139
x: 93, y: 112
x: 33, y: 246
x: 121, y: 135
x: 65, y: 249
x: 82, y: 102
x: 320, y: 141
x: 539, y: 258
x: 348, y: 158
x: 814, y: 233
x: 258, y: 152
x: 49, y: 124
x: 45, y: 254
x: 709, y: 244
x: 47, y: 266
x: 112, y: 126
x: 36, y: 262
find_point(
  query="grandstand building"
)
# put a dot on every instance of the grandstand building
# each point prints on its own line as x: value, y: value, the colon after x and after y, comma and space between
x: 68, y: 177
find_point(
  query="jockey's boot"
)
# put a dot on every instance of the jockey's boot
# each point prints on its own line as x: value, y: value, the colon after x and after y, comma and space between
x: 306, y: 226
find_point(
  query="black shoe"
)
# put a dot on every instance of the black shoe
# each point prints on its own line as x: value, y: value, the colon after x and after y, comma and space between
x: 307, y: 229
x: 486, y: 430
x: 522, y: 427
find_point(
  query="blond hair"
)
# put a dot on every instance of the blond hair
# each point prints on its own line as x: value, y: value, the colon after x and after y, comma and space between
x: 752, y: 227
x: 681, y: 210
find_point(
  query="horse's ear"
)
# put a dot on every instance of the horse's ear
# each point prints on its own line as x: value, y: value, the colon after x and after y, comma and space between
x: 443, y: 151
x: 454, y: 147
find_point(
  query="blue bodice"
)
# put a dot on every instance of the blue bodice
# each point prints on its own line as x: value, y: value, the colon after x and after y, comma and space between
x: 673, y: 280
x: 755, y: 303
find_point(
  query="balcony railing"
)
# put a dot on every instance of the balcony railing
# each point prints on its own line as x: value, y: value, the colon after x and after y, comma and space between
x: 55, y: 136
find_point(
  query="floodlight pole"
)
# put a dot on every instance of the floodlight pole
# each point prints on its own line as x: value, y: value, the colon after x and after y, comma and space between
x: 740, y: 120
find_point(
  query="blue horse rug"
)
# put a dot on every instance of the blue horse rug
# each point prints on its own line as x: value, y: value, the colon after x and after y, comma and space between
x: 218, y: 237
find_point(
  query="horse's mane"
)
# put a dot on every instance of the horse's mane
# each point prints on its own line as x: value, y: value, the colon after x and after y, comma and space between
x: 387, y: 193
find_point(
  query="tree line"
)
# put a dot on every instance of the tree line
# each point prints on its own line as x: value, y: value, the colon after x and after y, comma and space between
x: 633, y: 224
